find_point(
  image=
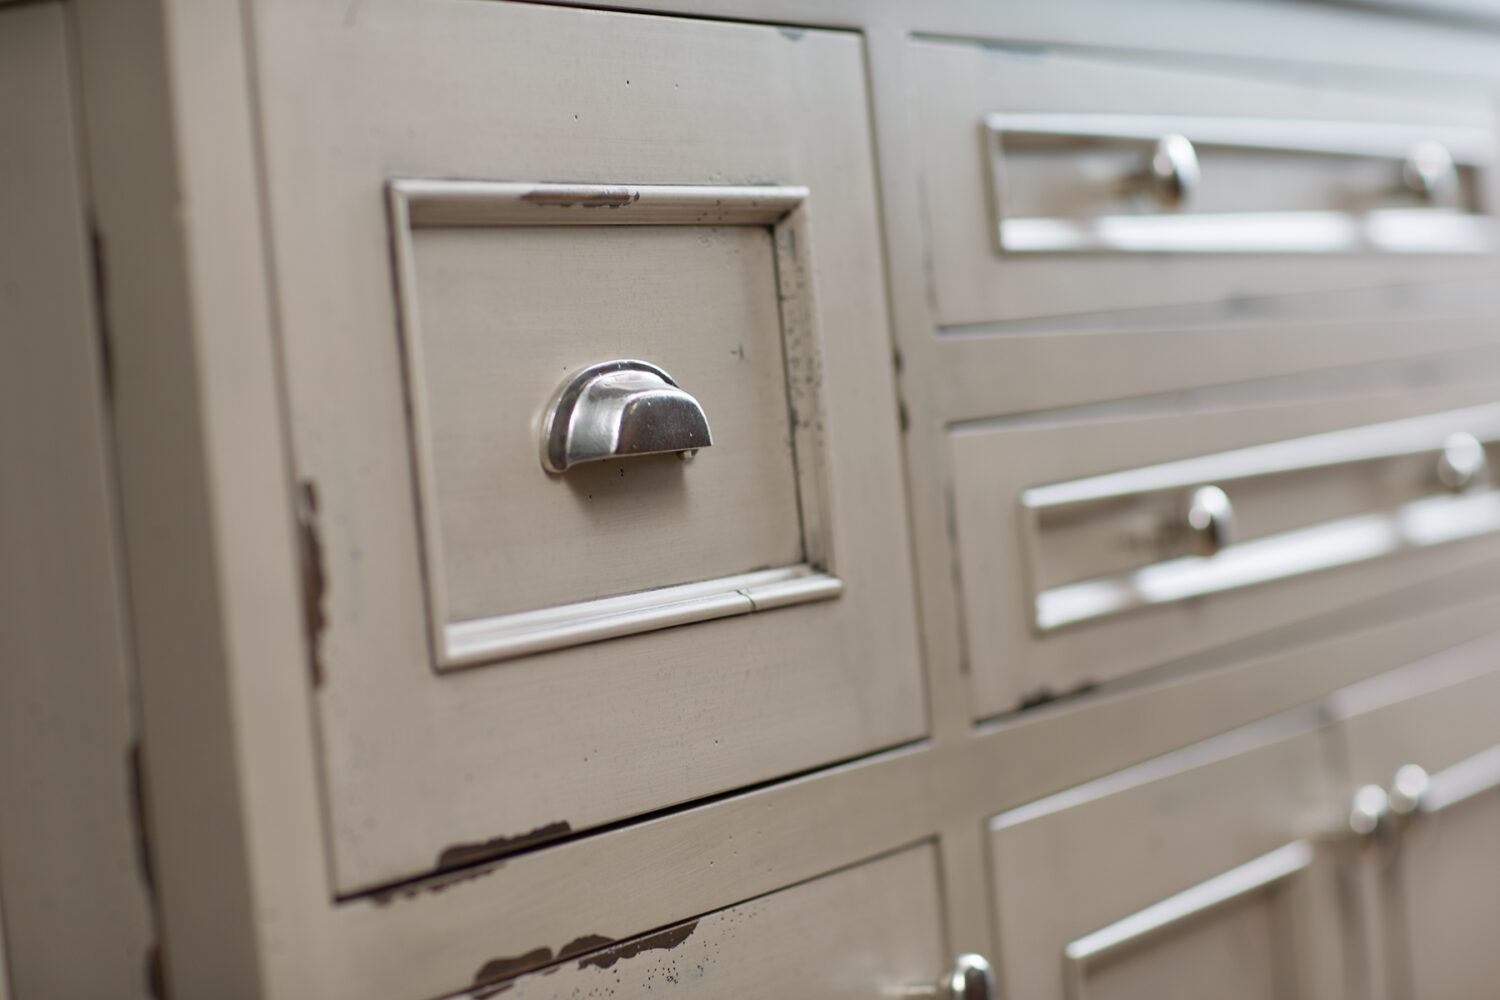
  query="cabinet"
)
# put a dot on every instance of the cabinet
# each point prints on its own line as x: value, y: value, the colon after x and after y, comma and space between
x: 739, y: 497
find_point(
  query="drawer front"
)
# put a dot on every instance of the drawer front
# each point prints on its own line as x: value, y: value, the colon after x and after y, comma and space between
x: 1093, y: 549
x: 873, y: 930
x: 590, y: 397
x: 1196, y: 867
x: 1427, y: 735
x: 1102, y: 185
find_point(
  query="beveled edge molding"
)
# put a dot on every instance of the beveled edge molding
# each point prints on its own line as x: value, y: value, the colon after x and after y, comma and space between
x: 415, y: 203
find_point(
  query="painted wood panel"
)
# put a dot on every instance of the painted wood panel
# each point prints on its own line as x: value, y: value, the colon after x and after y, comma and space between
x: 426, y: 772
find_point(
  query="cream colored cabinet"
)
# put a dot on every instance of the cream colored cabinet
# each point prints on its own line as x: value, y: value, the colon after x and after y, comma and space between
x: 745, y: 498
x: 1424, y: 744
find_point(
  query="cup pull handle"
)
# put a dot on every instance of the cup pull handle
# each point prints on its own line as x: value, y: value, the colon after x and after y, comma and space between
x: 620, y: 409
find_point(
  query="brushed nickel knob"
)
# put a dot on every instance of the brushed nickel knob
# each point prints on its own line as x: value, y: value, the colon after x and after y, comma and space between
x: 1370, y: 807
x: 1209, y: 520
x: 1407, y: 789
x: 1429, y: 171
x: 1462, y: 461
x: 1171, y: 175
x: 969, y: 978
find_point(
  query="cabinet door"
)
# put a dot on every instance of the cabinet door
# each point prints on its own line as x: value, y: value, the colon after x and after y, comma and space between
x: 1201, y: 867
x: 1429, y: 736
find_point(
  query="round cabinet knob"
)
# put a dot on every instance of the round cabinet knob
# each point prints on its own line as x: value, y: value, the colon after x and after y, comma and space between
x: 1173, y: 172
x: 1369, y: 808
x: 1407, y: 790
x: 969, y: 978
x: 1209, y: 520
x: 1429, y: 171
x: 1462, y: 461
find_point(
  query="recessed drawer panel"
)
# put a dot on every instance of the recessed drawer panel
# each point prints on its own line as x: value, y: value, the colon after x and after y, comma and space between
x: 1101, y: 185
x: 590, y: 394
x: 868, y: 931
x: 1080, y: 566
x: 539, y: 448
x: 1205, y: 866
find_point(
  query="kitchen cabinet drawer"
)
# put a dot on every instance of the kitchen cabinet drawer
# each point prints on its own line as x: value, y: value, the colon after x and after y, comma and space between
x: 1428, y: 738
x: 527, y: 259
x: 1092, y: 548
x: 1203, y: 866
x: 1103, y: 185
x: 867, y: 931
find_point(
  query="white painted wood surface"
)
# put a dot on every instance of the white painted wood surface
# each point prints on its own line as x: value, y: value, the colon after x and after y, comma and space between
x: 77, y: 922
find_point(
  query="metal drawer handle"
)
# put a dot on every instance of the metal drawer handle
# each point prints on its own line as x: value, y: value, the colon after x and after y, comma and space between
x: 1415, y: 792
x: 1209, y: 520
x: 1462, y: 462
x: 969, y: 978
x: 1429, y: 171
x: 1171, y: 175
x: 620, y: 409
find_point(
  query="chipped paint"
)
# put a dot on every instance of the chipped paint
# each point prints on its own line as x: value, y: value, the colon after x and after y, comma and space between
x: 411, y: 890
x: 660, y: 941
x: 578, y: 946
x: 314, y: 576
x: 1045, y: 695
x: 582, y: 197
x: 488, y: 980
x: 465, y: 854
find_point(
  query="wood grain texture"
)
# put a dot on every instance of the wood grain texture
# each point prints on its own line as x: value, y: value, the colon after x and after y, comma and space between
x: 77, y: 921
